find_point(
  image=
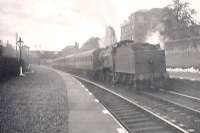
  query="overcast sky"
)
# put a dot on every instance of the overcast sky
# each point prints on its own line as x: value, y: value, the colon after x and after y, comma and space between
x: 53, y: 24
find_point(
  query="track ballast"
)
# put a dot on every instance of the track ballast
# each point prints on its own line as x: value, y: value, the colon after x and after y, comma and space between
x: 134, y: 117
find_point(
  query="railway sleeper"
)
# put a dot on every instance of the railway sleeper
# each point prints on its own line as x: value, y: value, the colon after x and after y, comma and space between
x: 126, y: 111
x: 121, y: 105
x: 127, y: 114
x: 133, y: 117
x: 147, y: 129
x: 133, y: 113
x: 137, y: 120
x: 118, y: 109
x: 143, y: 124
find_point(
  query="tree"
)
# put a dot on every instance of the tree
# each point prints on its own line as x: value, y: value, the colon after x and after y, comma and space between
x: 177, y: 20
x: 182, y: 12
x: 91, y: 43
x: 1, y: 49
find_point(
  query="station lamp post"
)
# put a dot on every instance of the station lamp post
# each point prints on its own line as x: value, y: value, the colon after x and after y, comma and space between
x: 20, y: 44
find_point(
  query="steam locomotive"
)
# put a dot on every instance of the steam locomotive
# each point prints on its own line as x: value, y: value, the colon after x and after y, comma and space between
x: 141, y: 65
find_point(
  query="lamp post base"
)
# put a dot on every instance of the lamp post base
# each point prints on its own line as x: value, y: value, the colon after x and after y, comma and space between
x: 21, y: 72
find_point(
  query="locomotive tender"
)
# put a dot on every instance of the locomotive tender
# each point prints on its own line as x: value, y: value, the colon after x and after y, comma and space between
x: 126, y: 62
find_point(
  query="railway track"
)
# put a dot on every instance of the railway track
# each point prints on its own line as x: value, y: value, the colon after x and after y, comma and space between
x: 133, y: 116
x: 190, y: 107
x: 179, y: 99
x: 184, y: 95
x: 181, y: 115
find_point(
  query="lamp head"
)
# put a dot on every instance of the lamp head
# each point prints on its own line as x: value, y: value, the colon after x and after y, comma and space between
x: 20, y: 40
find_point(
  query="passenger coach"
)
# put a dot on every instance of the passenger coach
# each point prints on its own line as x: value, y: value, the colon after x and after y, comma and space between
x: 87, y: 61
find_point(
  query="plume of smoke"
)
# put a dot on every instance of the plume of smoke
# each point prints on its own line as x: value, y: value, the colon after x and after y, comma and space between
x: 155, y: 38
x: 101, y: 43
x: 109, y: 37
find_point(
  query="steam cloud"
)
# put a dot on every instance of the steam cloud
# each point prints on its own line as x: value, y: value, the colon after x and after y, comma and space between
x: 155, y: 38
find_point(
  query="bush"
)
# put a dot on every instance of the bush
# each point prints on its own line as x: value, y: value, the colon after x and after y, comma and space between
x: 9, y: 67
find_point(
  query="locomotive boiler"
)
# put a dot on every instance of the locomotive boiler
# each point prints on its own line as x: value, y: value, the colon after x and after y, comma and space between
x: 141, y: 65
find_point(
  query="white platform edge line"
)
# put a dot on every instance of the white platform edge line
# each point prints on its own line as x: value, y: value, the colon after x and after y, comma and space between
x: 114, y: 118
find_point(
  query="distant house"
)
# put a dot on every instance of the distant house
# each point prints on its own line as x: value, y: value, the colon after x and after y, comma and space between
x: 143, y: 22
x: 140, y: 23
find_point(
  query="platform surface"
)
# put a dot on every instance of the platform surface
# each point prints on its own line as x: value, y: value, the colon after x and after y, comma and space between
x: 86, y: 114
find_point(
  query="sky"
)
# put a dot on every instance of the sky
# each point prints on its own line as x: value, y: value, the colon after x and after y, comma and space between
x: 54, y: 24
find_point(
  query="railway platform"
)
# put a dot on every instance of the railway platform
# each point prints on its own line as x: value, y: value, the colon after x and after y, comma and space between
x: 86, y: 114
x: 51, y: 101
